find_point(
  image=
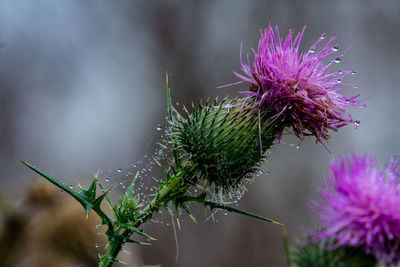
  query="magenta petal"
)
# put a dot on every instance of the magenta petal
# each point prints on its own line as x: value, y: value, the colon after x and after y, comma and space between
x: 282, y: 76
x: 360, y: 206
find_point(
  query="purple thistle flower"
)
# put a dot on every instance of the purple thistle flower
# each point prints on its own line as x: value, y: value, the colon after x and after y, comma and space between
x: 298, y: 86
x: 360, y: 207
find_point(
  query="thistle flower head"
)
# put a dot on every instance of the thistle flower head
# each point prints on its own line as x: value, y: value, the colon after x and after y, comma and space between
x: 360, y: 207
x: 298, y: 86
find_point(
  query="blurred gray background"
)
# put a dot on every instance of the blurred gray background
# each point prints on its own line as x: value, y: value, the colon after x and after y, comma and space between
x: 82, y: 88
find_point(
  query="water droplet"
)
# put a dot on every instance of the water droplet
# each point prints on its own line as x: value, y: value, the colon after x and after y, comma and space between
x: 338, y: 60
x: 292, y: 145
x: 159, y: 128
x: 353, y: 72
x: 225, y: 213
x: 71, y: 186
x: 119, y: 170
x: 335, y: 48
x: 267, y: 173
x: 356, y: 86
x: 356, y: 124
x: 323, y: 36
x: 339, y: 80
x: 107, y: 179
x: 312, y: 50
x: 97, y: 245
x: 297, y: 147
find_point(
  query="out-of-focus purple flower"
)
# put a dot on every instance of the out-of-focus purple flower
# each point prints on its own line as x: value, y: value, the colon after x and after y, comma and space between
x: 298, y: 86
x: 360, y: 207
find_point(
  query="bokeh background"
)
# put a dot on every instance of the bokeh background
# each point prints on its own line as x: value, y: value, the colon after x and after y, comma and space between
x: 82, y: 88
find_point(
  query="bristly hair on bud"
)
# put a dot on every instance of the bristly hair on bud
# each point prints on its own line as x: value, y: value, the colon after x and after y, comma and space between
x: 298, y: 86
x: 222, y: 141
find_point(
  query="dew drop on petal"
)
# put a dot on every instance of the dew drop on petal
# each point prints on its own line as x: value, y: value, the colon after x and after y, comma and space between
x: 119, y: 170
x: 338, y: 60
x: 107, y: 179
x: 71, y: 186
x: 353, y: 72
x: 335, y: 48
x: 312, y: 50
x: 323, y: 36
x: 339, y: 80
x: 356, y: 124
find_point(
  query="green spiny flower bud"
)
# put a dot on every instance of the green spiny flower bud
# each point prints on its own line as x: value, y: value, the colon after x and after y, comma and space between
x: 316, y: 255
x: 126, y: 210
x: 222, y: 140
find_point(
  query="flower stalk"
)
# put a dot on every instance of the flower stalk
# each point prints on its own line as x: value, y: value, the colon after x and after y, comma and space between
x: 221, y: 133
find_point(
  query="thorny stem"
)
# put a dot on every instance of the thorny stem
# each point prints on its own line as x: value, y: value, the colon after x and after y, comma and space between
x: 178, y: 180
x: 164, y: 194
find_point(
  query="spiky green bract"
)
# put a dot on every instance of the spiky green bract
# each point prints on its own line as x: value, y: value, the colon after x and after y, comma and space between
x: 126, y: 210
x: 222, y: 140
x: 315, y: 255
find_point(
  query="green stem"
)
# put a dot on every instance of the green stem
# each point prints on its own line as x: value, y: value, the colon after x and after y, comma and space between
x: 286, y: 247
x: 164, y: 194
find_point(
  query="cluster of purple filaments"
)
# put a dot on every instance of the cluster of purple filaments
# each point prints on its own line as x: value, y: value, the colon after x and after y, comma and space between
x: 297, y: 86
x: 360, y: 207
